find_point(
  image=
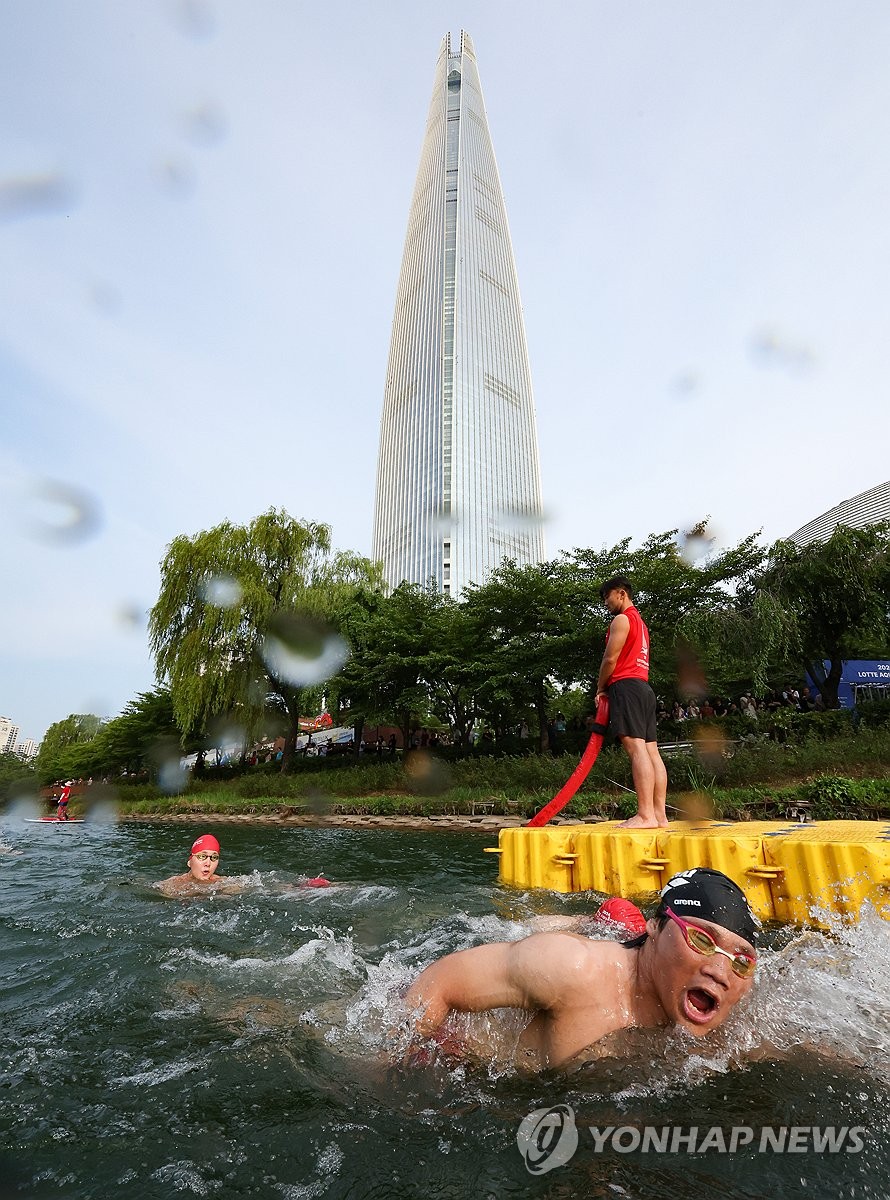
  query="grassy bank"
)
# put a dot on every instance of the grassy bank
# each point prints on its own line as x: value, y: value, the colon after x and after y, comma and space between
x: 842, y: 777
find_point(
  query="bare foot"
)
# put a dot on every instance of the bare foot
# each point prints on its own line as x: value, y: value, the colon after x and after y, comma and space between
x: 637, y: 822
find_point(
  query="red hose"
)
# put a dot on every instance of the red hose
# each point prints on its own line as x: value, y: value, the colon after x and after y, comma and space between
x: 580, y: 773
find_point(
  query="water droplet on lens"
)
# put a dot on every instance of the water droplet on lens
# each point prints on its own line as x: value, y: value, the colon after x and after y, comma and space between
x: 205, y: 125
x: 317, y: 802
x: 691, y: 680
x: 695, y: 806
x: 106, y: 298
x: 177, y: 177
x: 523, y: 520
x: 131, y: 616
x: 62, y: 513
x: 697, y: 542
x: 443, y: 523
x: 103, y: 810
x: 221, y: 590
x: 694, y: 548
x: 195, y: 18
x: 225, y: 742
x: 303, y: 651
x: 34, y: 196
x: 173, y: 777
x: 25, y: 805
x: 770, y: 348
x: 684, y: 384
x: 710, y: 742
x: 425, y: 774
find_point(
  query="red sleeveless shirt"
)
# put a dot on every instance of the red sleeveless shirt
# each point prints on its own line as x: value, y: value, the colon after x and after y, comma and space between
x: 633, y: 661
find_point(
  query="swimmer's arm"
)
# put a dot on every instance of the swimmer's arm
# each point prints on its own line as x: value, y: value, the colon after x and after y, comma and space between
x: 171, y: 886
x: 224, y: 888
x: 531, y: 974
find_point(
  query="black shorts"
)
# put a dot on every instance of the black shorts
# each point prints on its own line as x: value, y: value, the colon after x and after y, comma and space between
x: 632, y: 710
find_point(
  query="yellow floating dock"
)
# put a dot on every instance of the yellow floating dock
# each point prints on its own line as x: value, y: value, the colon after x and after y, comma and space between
x: 788, y: 872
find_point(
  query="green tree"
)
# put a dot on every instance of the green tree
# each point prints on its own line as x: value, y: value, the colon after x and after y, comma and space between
x: 457, y: 664
x: 682, y: 587
x: 529, y: 615
x: 384, y: 679
x: 829, y: 601
x: 246, y: 619
x: 17, y: 774
x: 143, y: 737
x: 55, y: 758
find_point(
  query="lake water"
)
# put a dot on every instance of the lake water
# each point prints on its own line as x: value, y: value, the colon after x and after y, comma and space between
x: 237, y: 1046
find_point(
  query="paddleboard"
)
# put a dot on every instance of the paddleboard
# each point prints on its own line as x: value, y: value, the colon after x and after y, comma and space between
x: 53, y: 821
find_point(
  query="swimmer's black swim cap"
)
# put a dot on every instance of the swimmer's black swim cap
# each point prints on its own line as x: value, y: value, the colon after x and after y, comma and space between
x: 712, y: 896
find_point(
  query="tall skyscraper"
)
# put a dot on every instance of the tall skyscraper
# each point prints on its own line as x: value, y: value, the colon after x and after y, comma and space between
x: 458, y: 480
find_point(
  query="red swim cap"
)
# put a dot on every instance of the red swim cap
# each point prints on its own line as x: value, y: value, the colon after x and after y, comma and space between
x: 205, y: 842
x: 621, y: 915
x: 318, y: 881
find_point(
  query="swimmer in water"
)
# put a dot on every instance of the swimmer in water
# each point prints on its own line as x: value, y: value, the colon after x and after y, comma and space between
x: 202, y: 863
x: 692, y: 965
x: 201, y: 873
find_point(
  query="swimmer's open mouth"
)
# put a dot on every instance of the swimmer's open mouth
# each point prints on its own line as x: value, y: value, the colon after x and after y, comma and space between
x: 699, y: 1005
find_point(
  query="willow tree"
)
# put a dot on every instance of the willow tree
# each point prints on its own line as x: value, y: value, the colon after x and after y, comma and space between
x: 247, y: 618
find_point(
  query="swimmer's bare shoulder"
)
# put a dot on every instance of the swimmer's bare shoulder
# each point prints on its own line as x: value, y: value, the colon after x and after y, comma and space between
x: 578, y: 990
x: 593, y: 999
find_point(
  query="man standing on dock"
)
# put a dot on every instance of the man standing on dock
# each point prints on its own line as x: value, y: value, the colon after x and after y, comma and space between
x: 624, y: 681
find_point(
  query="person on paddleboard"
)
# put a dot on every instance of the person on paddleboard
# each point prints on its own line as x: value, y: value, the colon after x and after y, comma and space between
x: 694, y: 961
x: 62, y: 802
x: 624, y: 681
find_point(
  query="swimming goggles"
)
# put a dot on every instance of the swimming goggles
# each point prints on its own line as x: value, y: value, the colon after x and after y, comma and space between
x: 203, y: 855
x: 701, y: 942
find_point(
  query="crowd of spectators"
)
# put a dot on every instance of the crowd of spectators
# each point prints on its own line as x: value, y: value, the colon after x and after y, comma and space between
x: 747, y: 705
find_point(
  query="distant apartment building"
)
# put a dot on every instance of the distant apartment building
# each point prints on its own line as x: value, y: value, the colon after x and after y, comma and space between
x: 27, y: 748
x: 9, y: 735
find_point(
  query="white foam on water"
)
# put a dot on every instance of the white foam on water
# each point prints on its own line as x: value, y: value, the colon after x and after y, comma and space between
x: 324, y: 960
x: 156, y: 1075
x: 368, y: 894
x: 328, y: 1165
x: 185, y: 1176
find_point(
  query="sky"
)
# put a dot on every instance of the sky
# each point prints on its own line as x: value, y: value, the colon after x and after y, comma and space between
x: 202, y: 210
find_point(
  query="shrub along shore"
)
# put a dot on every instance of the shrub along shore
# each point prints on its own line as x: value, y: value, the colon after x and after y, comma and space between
x: 835, y: 777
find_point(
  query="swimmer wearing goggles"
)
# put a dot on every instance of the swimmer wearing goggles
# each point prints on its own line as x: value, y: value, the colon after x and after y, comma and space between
x: 691, y: 966
x: 202, y: 861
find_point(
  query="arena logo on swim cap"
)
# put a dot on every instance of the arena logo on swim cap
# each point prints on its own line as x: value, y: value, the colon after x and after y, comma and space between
x: 205, y: 842
x: 547, y: 1138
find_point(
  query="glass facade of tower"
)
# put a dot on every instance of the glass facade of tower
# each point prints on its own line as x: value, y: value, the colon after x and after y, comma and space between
x: 458, y: 481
